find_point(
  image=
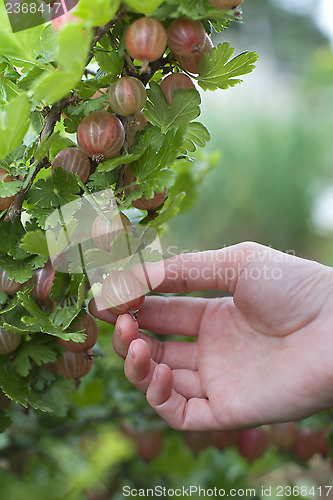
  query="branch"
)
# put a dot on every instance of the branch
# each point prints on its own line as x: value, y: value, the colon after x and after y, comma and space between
x: 52, y: 116
x: 102, y: 30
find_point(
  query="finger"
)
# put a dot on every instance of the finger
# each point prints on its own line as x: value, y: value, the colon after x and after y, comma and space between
x: 99, y: 309
x: 178, y: 411
x: 173, y: 353
x: 139, y: 367
x: 213, y: 269
x: 172, y: 315
x: 163, y: 315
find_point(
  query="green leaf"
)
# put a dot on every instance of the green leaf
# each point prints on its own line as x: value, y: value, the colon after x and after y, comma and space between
x: 169, y: 211
x: 196, y: 135
x: 184, y: 108
x: 21, y: 270
x: 9, y: 188
x: 5, y: 421
x: 45, y: 146
x: 14, y: 124
x: 218, y: 71
x: 55, y: 191
x: 73, y: 48
x: 41, y: 319
x: 59, y: 396
x: 60, y: 286
x: 10, y: 235
x: 18, y: 388
x: 157, y: 151
x: 38, y: 350
x: 97, y: 12
x: 35, y: 242
x: 53, y: 86
x: 109, y: 62
x: 145, y: 7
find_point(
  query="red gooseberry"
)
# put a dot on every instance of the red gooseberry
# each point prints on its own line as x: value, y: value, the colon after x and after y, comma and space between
x: 127, y: 96
x: 74, y: 364
x: 101, y: 135
x: 146, y: 39
x: 8, y: 341
x: 89, y: 326
x: 186, y: 36
x: 73, y: 160
x: 191, y: 63
x: 105, y: 229
x: 174, y: 82
x: 122, y: 292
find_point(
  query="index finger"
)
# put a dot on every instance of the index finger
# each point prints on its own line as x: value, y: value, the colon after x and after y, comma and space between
x: 212, y: 269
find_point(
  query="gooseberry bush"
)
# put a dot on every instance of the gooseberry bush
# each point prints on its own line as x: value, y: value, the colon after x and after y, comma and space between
x: 103, y: 104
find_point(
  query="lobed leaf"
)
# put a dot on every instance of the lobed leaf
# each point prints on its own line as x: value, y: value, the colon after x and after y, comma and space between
x: 218, y: 71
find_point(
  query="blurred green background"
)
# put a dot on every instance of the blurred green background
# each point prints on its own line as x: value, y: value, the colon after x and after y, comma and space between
x: 272, y: 183
x: 274, y: 132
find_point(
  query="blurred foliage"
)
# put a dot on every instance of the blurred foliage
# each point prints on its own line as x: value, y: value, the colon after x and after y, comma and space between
x: 275, y: 137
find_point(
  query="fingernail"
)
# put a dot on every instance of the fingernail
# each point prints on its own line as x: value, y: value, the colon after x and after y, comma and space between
x: 117, y: 330
x: 155, y: 375
x: 130, y: 353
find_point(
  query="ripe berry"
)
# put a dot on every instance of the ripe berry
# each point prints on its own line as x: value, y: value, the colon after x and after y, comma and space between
x: 225, y: 439
x: 252, y: 444
x: 42, y: 281
x: 122, y: 292
x: 284, y: 435
x: 226, y: 4
x: 7, y: 285
x: 174, y: 82
x: 101, y: 135
x: 8, y: 341
x: 307, y: 444
x: 127, y: 96
x: 74, y: 364
x: 5, y: 177
x: 143, y: 203
x: 191, y: 63
x: 89, y: 326
x: 186, y: 37
x: 105, y: 229
x: 73, y: 160
x: 146, y: 40
x: 149, y: 444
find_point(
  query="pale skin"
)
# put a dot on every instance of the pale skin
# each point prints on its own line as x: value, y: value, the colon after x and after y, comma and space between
x: 262, y: 355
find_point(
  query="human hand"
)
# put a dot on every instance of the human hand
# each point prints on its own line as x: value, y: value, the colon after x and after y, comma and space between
x: 263, y: 355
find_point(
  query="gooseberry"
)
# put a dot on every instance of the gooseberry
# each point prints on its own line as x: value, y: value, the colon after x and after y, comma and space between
x: 127, y: 96
x: 8, y: 341
x: 89, y: 326
x: 101, y: 135
x: 73, y: 160
x: 146, y: 39
x: 174, y: 82
x: 122, y: 292
x: 186, y: 36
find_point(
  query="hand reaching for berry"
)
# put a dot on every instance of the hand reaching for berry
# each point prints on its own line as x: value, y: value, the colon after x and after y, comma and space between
x: 263, y: 355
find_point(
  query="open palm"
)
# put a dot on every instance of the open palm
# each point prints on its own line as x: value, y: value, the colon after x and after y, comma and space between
x: 260, y: 356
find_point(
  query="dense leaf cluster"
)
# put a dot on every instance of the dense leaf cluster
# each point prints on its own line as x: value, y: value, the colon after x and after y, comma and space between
x: 48, y: 84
